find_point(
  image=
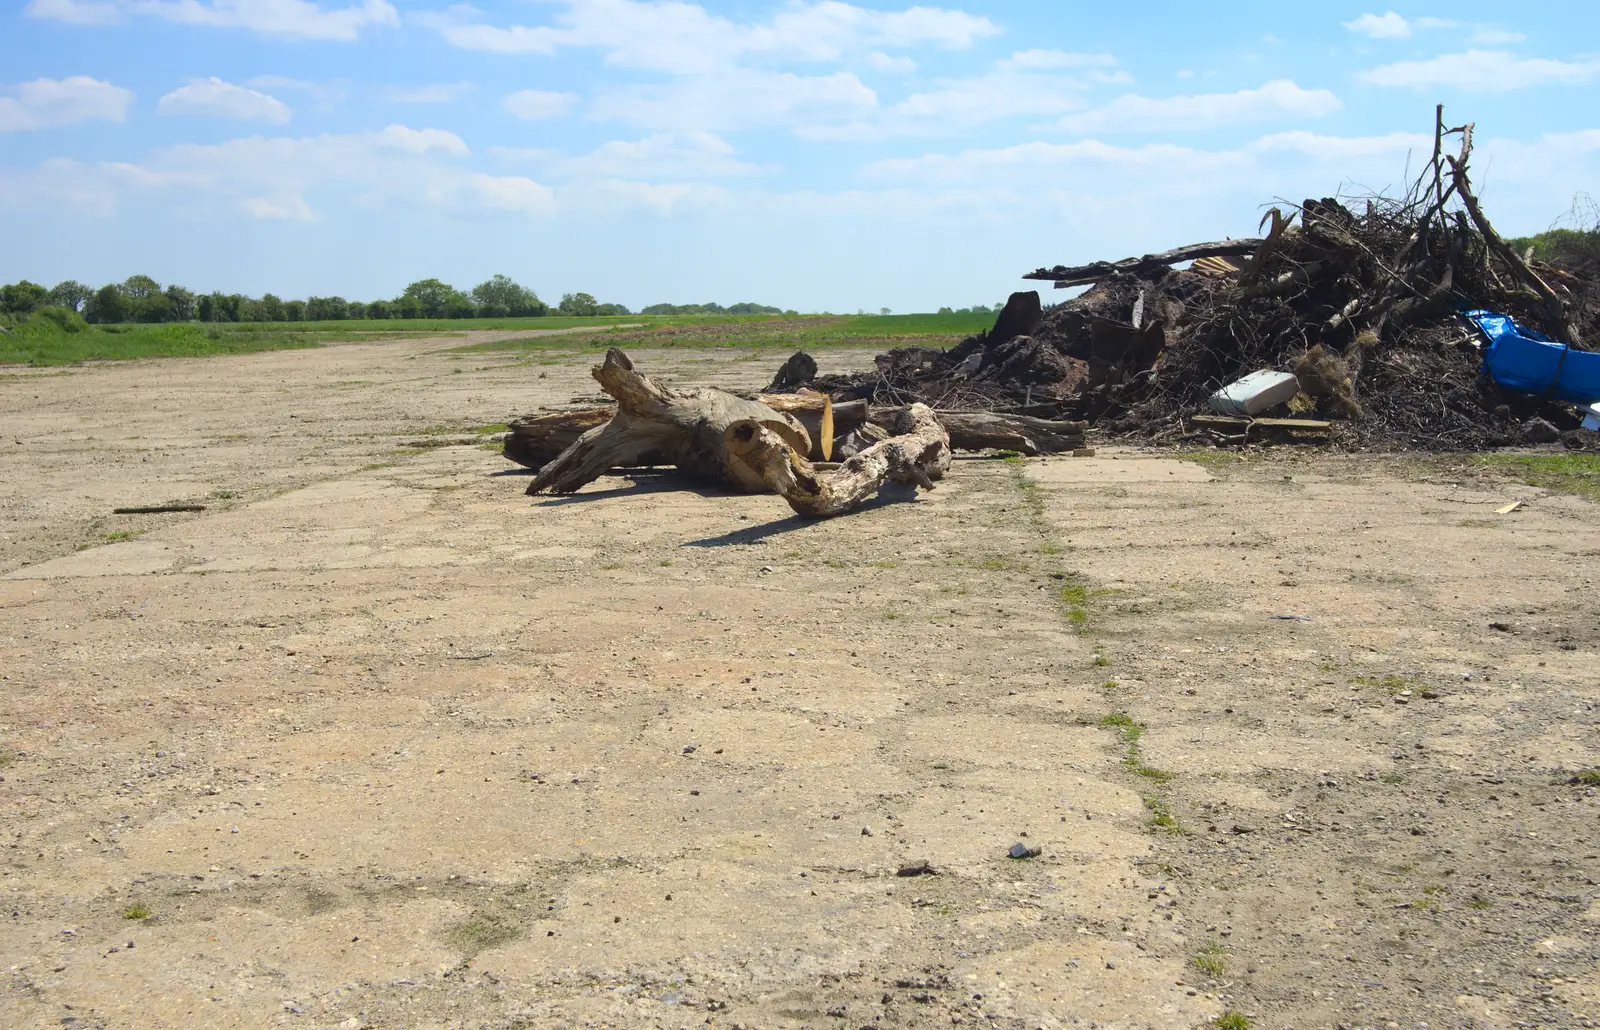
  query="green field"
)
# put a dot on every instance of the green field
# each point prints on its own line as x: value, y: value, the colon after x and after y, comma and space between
x: 40, y: 340
x: 805, y: 331
x: 1568, y: 473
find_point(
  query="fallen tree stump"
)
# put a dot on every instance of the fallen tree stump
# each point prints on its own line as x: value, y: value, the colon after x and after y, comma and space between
x: 685, y: 428
x: 917, y: 455
x: 536, y: 440
x: 533, y: 441
x: 983, y: 430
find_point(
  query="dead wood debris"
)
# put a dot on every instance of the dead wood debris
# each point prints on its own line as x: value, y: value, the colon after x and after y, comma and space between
x: 735, y: 441
x: 1359, y: 298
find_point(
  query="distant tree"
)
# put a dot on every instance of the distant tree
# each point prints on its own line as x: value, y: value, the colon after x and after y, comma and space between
x: 106, y: 306
x: 154, y: 308
x: 380, y: 309
x: 883, y: 311
x: 578, y: 304
x: 180, y: 303
x: 294, y: 311
x: 427, y: 298
x: 356, y: 309
x: 749, y: 308
x: 270, y: 308
x: 459, y: 305
x: 502, y: 296
x: 612, y: 309
x: 946, y: 311
x: 224, y: 307
x: 205, y: 308
x: 326, y: 309
x: 70, y: 294
x: 23, y: 297
x: 138, y: 287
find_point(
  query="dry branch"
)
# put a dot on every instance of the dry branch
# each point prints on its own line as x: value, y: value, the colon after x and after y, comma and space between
x: 982, y: 430
x: 684, y: 427
x: 1079, y: 275
x: 917, y: 455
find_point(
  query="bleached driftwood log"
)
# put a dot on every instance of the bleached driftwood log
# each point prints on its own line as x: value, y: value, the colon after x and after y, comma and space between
x: 685, y: 428
x: 982, y: 430
x: 534, y: 440
x: 917, y: 454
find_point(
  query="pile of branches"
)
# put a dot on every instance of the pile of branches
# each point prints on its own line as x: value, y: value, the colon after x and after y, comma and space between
x: 1003, y: 370
x: 1362, y: 302
x: 1363, y: 308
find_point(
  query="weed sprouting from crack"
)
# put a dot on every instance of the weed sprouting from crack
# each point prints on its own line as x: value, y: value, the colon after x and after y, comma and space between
x: 1131, y: 733
x: 481, y: 931
x: 1211, y: 958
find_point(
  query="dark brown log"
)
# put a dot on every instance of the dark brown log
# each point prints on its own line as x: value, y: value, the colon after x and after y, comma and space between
x: 686, y: 427
x: 1080, y: 275
x: 1020, y: 317
x: 157, y: 509
x: 982, y: 430
x: 534, y: 440
x: 800, y: 369
x: 917, y: 455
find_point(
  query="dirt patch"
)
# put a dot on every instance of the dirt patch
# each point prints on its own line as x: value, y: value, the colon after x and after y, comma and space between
x: 377, y: 741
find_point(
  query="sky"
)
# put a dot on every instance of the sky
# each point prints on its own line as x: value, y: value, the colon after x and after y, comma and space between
x: 813, y: 154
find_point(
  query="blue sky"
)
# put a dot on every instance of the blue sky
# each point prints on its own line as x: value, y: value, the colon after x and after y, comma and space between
x: 816, y: 155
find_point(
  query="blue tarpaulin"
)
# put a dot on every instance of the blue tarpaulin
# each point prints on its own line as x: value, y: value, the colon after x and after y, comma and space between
x: 1522, y: 359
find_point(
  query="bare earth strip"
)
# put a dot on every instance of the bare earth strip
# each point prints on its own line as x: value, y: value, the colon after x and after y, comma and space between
x: 378, y: 741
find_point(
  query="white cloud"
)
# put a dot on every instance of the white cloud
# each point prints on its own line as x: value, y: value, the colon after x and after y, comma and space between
x: 610, y: 195
x: 1057, y: 60
x: 534, y: 104
x: 214, y: 98
x: 1098, y: 166
x: 432, y: 93
x: 291, y: 19
x: 886, y: 63
x: 46, y: 102
x: 737, y: 99
x: 291, y: 208
x: 293, y: 179
x: 1388, y: 25
x: 1031, y: 82
x: 665, y: 155
x: 1280, y: 98
x: 1489, y: 36
x: 76, y: 12
x: 1483, y: 71
x: 279, y: 177
x: 512, y: 193
x: 326, y: 94
x: 685, y: 38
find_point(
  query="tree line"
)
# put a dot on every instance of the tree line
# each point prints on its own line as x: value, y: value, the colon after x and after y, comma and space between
x: 140, y: 298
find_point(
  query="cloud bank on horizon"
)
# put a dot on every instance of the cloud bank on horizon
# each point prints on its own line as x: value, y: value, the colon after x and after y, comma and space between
x: 814, y: 153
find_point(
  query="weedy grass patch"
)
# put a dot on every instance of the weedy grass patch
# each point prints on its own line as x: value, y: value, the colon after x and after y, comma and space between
x: 1568, y: 473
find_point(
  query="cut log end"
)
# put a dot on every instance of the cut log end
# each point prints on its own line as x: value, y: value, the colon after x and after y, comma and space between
x: 917, y: 455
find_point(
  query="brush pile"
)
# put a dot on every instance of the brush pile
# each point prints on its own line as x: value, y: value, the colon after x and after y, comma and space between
x: 1360, y: 301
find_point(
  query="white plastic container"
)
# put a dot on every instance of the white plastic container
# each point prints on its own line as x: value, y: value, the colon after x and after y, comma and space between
x: 1591, y: 416
x: 1255, y: 393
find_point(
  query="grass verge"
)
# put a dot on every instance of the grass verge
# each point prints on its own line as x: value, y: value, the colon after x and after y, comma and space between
x: 1569, y: 473
x: 41, y: 342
